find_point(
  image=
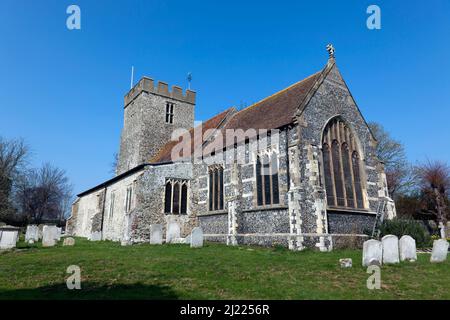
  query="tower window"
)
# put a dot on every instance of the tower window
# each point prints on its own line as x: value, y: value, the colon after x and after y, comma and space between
x: 175, y: 197
x: 169, y: 112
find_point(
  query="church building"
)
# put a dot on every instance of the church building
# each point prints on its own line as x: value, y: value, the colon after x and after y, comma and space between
x: 297, y: 169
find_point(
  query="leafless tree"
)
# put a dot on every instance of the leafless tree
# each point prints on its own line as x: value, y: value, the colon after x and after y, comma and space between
x: 434, y: 181
x: 392, y: 153
x: 13, y: 158
x: 43, y: 192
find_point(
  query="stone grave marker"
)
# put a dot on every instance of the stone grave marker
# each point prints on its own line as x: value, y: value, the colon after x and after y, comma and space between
x: 440, y: 250
x: 197, y: 237
x: 390, y: 249
x: 172, y: 232
x: 156, y: 234
x: 372, y: 253
x: 407, y: 247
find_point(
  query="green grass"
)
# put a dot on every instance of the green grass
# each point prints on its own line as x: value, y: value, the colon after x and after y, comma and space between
x: 109, y: 271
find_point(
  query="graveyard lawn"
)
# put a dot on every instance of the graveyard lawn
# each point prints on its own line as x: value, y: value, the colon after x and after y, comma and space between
x: 109, y: 271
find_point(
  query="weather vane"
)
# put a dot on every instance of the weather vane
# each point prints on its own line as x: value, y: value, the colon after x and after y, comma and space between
x: 330, y: 50
x: 189, y: 79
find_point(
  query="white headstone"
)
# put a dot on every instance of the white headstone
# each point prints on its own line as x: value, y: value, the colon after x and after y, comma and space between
x: 69, y: 241
x: 390, y: 249
x: 372, y: 253
x: 172, y: 232
x: 187, y: 240
x: 96, y: 236
x: 8, y: 238
x: 32, y: 233
x: 407, y: 246
x: 440, y: 250
x: 197, y: 237
x: 48, y: 236
x: 156, y: 234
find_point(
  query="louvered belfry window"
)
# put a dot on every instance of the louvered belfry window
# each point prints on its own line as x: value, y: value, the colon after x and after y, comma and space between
x: 342, y: 167
x: 175, y: 196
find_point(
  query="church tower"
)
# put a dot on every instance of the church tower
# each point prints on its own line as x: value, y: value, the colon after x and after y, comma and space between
x: 151, y: 114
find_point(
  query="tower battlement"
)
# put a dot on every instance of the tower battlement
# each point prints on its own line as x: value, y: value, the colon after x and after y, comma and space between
x: 147, y: 85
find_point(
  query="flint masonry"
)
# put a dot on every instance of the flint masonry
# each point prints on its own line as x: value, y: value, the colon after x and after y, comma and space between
x: 313, y: 183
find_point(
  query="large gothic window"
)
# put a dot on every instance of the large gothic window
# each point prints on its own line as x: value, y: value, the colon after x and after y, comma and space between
x: 341, y: 167
x: 175, y: 196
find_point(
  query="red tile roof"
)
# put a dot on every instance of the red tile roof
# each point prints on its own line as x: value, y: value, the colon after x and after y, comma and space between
x: 272, y: 112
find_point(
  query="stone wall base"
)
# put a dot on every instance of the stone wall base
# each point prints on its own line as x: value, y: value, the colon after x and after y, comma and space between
x: 310, y: 240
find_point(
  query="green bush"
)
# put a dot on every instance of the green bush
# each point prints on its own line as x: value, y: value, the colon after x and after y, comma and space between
x: 401, y: 227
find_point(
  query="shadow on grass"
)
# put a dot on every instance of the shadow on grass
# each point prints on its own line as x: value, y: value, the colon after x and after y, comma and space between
x: 92, y: 291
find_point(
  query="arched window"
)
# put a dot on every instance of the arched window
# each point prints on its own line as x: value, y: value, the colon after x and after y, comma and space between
x: 175, y: 196
x: 216, y: 188
x: 267, y: 188
x: 341, y: 167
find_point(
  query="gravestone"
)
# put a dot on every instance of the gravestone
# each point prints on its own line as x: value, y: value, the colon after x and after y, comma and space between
x: 49, y: 236
x: 407, y: 246
x: 95, y: 236
x: 372, y: 253
x: 69, y: 241
x: 8, y: 237
x: 32, y: 233
x: 440, y: 250
x: 172, y: 232
x: 197, y: 237
x: 346, y: 262
x: 156, y: 234
x: 390, y: 249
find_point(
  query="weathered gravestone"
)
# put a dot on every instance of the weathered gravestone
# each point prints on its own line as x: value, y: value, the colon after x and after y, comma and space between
x: 172, y: 232
x: 372, y: 253
x: 8, y: 237
x: 49, y: 236
x: 69, y: 241
x: 32, y: 233
x: 440, y: 250
x: 197, y: 237
x: 156, y: 234
x: 95, y: 236
x: 407, y: 246
x: 390, y: 249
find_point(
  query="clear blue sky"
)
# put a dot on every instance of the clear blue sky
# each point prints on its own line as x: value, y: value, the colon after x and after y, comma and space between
x: 62, y: 91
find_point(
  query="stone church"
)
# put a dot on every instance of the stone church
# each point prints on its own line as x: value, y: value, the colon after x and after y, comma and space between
x: 296, y: 169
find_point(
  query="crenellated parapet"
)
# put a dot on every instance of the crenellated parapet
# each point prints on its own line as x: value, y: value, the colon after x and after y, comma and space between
x: 162, y: 88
